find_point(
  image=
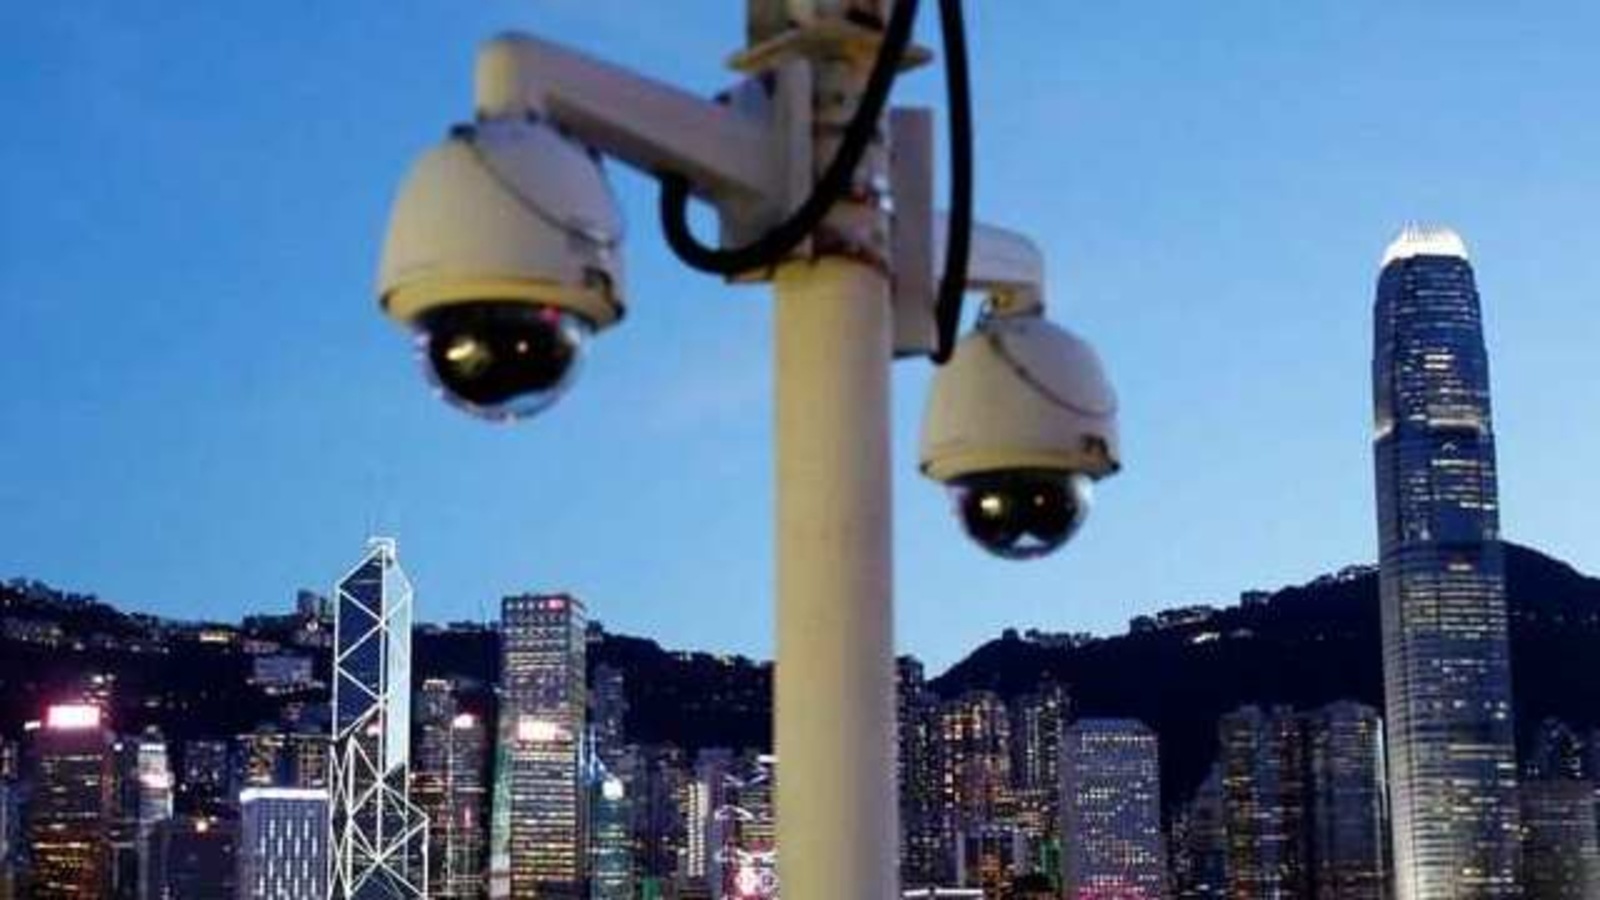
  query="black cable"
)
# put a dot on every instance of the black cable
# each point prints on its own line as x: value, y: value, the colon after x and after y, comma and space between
x: 834, y: 183
x: 835, y: 180
x: 958, y: 240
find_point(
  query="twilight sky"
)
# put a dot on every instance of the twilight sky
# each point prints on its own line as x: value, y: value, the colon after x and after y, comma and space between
x: 204, y: 410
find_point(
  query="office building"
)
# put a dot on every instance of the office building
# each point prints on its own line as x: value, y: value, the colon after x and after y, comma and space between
x: 1111, y: 811
x: 1038, y: 720
x: 610, y: 851
x: 191, y: 858
x: 259, y: 757
x: 747, y: 850
x: 449, y: 783
x: 924, y: 860
x: 10, y: 839
x: 974, y: 751
x: 379, y: 837
x: 142, y: 798
x: 204, y: 783
x: 661, y: 834
x: 541, y: 731
x: 1447, y: 669
x: 608, y: 709
x: 306, y: 760
x: 1561, y: 858
x: 1348, y: 802
x: 1199, y: 848
x: 1264, y: 796
x: 69, y: 814
x: 703, y: 798
x: 283, y: 844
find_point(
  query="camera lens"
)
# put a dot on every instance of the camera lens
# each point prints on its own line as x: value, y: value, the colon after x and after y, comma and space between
x: 501, y: 360
x: 1021, y: 514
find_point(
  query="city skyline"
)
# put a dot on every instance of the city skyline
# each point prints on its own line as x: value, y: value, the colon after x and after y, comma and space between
x: 1175, y: 225
x: 1295, y: 803
x: 1282, y: 250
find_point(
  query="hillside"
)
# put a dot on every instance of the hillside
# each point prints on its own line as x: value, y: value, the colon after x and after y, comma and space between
x: 1302, y: 646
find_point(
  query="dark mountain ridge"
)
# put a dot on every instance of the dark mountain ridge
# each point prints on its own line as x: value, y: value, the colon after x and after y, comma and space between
x: 1301, y: 646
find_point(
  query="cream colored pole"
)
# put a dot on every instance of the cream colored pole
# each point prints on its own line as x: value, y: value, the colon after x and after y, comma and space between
x: 834, y: 704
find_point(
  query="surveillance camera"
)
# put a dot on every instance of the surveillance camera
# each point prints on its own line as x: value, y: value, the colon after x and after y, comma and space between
x: 1020, y: 422
x: 503, y: 257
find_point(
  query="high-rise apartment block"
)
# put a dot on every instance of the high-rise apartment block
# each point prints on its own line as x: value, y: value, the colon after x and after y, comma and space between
x: 1447, y: 668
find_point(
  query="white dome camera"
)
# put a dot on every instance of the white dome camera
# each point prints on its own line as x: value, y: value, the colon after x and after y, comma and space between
x: 503, y: 256
x: 1020, y: 422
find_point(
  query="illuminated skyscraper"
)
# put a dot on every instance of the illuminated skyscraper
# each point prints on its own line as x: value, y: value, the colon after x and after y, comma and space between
x: 610, y: 835
x: 1447, y: 669
x: 283, y: 844
x: 659, y: 805
x: 974, y: 760
x: 69, y: 815
x: 143, y: 797
x: 747, y: 851
x: 379, y: 838
x: 917, y: 719
x: 979, y: 832
x: 1348, y: 805
x: 1038, y: 720
x: 1111, y: 811
x: 704, y: 796
x: 1264, y: 796
x: 608, y: 708
x: 541, y: 730
x: 448, y: 782
x: 609, y: 772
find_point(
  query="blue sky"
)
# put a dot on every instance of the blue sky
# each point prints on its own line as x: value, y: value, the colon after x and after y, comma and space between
x: 204, y: 410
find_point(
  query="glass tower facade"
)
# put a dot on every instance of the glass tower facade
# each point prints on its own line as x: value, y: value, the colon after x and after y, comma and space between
x: 448, y: 782
x: 1447, y: 669
x: 1348, y: 812
x: 542, y: 726
x: 378, y: 837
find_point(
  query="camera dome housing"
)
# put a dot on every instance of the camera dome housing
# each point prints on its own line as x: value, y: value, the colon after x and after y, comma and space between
x: 1022, y: 513
x: 1019, y: 424
x: 503, y: 256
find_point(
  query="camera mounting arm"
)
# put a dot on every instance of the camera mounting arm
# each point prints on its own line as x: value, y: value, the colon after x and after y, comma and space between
x: 1005, y: 265
x: 735, y: 152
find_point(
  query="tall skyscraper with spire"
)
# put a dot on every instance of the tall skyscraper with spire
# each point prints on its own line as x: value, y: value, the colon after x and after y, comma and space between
x: 378, y: 837
x: 1447, y: 668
